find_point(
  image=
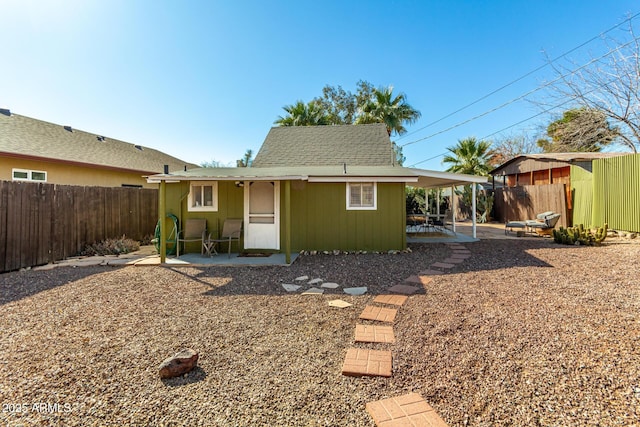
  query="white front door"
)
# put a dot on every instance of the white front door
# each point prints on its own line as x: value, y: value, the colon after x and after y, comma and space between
x: 262, y: 214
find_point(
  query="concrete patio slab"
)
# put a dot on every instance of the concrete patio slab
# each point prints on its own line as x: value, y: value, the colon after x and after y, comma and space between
x: 380, y: 314
x: 359, y: 362
x: 375, y: 333
x: 409, y: 410
x: 391, y: 299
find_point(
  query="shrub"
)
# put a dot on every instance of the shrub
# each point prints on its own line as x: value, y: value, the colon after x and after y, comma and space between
x: 113, y: 246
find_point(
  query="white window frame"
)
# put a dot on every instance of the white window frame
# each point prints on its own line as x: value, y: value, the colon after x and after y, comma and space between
x: 190, y: 200
x: 29, y: 173
x: 362, y: 208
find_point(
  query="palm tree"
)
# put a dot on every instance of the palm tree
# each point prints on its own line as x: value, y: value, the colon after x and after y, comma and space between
x: 246, y: 160
x: 470, y: 157
x: 301, y: 114
x: 394, y: 112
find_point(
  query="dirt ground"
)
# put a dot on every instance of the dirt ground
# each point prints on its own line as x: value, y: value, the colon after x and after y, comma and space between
x: 525, y: 332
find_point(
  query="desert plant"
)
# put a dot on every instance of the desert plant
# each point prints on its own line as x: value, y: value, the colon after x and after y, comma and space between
x: 579, y: 235
x: 112, y: 246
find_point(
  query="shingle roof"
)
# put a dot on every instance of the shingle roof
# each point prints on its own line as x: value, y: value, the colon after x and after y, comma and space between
x: 358, y: 145
x: 24, y: 136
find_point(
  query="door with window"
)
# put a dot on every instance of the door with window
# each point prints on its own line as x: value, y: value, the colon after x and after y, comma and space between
x: 261, y: 215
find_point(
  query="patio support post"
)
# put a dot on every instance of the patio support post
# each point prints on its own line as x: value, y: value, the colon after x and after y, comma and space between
x: 287, y: 221
x: 473, y: 208
x: 162, y: 210
x: 453, y: 208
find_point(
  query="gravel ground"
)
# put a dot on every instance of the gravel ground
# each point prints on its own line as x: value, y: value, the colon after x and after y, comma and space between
x: 525, y: 332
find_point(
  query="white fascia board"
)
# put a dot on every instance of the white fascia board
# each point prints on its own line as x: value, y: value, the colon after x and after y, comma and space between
x: 454, y: 177
x: 363, y: 179
x: 228, y: 178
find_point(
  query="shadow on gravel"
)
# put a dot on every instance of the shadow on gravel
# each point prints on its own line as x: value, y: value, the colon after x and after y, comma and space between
x: 196, y: 375
x: 17, y: 285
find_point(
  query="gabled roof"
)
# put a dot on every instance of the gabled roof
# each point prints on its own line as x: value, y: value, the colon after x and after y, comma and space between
x: 331, y: 145
x: 558, y: 157
x: 25, y: 137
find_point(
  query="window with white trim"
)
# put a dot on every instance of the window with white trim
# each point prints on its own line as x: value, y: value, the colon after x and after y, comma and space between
x: 361, y: 196
x: 28, y: 175
x: 203, y: 196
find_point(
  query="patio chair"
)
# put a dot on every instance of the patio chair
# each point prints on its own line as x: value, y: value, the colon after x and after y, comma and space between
x: 195, y: 230
x: 544, y: 228
x: 524, y: 225
x: 231, y: 231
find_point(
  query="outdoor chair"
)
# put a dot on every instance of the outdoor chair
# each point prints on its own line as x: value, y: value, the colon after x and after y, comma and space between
x: 525, y: 225
x: 195, y: 230
x: 231, y: 231
x: 544, y: 228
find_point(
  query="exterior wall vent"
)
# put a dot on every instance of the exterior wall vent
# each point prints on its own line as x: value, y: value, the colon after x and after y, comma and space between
x: 68, y: 128
x: 5, y: 111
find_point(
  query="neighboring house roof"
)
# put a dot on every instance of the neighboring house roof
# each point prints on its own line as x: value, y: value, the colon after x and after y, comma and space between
x: 25, y: 137
x: 557, y: 157
x: 357, y: 145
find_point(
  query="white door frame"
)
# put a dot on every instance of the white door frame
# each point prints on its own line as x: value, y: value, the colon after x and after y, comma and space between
x: 262, y: 235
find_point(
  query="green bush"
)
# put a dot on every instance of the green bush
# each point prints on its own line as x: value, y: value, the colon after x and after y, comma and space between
x: 113, y: 246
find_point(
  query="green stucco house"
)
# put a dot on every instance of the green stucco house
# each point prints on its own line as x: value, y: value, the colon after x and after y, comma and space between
x: 309, y: 188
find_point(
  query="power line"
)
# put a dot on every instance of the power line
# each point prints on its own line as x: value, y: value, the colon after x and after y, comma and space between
x: 521, y: 96
x: 519, y: 78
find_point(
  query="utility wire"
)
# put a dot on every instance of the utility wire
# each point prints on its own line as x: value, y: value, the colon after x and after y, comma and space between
x: 520, y: 122
x: 520, y: 78
x: 522, y: 96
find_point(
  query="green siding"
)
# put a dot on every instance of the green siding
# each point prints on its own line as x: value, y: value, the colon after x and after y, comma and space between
x: 320, y: 220
x: 616, y: 192
x: 230, y: 205
x: 582, y: 195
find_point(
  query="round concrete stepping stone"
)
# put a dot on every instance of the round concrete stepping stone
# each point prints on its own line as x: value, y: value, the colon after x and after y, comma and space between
x: 301, y: 278
x: 290, y: 288
x: 355, y: 291
x: 329, y: 285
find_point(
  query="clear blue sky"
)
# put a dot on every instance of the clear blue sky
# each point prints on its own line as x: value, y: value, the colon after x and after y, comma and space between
x: 205, y: 80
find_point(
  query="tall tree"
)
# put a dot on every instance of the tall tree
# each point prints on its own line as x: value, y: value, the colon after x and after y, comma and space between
x: 469, y: 156
x: 512, y: 146
x: 213, y: 164
x: 246, y: 160
x: 579, y: 129
x: 608, y: 83
x: 393, y: 111
x: 301, y: 114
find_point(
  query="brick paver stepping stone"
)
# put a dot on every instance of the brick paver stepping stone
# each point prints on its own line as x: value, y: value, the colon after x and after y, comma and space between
x: 391, y: 299
x: 339, y: 303
x: 381, y: 314
x: 360, y: 362
x: 431, y: 272
x: 407, y: 410
x: 403, y: 289
x: 375, y: 333
x: 329, y: 285
x: 313, y: 291
x: 421, y: 280
x: 290, y: 288
x: 356, y: 291
x: 460, y: 256
x: 442, y: 265
x: 453, y: 260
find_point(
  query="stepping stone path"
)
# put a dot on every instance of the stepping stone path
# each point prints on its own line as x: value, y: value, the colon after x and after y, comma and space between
x: 410, y: 409
x: 313, y: 291
x: 339, y: 303
x: 379, y: 314
x: 329, y: 285
x: 373, y: 333
x: 291, y: 288
x: 407, y: 410
x: 355, y: 291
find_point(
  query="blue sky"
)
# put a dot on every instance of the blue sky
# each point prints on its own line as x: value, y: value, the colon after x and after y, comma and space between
x: 204, y: 80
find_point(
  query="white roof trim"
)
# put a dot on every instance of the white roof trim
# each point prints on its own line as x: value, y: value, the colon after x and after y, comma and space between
x: 367, y: 178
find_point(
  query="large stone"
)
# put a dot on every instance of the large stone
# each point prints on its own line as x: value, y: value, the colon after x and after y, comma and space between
x: 180, y: 364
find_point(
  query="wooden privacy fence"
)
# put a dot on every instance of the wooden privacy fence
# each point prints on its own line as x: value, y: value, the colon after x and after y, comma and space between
x: 42, y: 223
x: 525, y: 202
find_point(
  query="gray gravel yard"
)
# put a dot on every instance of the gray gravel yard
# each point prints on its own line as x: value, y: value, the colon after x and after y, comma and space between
x: 525, y: 332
